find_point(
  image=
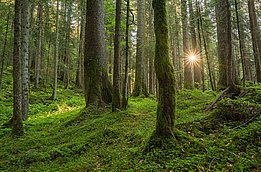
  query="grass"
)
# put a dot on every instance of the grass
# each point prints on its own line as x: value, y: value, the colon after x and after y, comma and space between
x: 62, y: 136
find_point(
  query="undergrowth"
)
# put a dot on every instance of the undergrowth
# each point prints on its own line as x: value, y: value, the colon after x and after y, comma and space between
x: 61, y: 135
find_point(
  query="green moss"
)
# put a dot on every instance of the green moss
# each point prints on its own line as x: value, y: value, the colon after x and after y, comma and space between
x: 61, y: 136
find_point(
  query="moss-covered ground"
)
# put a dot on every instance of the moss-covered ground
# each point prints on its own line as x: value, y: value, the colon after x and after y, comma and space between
x: 61, y: 136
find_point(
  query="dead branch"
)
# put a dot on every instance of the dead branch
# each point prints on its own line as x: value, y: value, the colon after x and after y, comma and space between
x: 220, y: 97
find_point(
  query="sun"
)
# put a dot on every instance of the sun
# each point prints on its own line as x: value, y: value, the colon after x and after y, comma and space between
x: 192, y: 58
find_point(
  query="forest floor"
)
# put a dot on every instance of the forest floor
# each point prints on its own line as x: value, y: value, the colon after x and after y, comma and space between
x: 61, y: 136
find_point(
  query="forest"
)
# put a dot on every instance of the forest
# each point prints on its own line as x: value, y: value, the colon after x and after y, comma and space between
x: 130, y: 85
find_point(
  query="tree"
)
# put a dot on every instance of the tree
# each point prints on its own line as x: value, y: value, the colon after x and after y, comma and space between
x: 188, y: 80
x: 17, y: 124
x: 126, y: 70
x: 25, y: 27
x: 194, y: 50
x: 256, y: 40
x: 140, y: 86
x: 98, y: 89
x: 56, y: 51
x: 3, y: 57
x: 164, y: 72
x: 116, y: 100
x: 79, y: 74
x: 224, y: 43
x: 39, y: 44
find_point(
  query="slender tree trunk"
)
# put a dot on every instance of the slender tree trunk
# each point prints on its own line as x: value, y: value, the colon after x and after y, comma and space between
x: 4, y: 52
x: 177, y: 33
x: 79, y: 76
x: 201, y: 64
x: 241, y: 44
x: 116, y: 100
x: 164, y: 72
x: 17, y: 124
x: 126, y: 70
x: 197, y: 63
x: 25, y: 27
x: 67, y: 48
x: 212, y: 82
x: 188, y: 80
x: 56, y: 52
x: 98, y: 89
x: 140, y: 83
x: 151, y: 50
x: 39, y: 46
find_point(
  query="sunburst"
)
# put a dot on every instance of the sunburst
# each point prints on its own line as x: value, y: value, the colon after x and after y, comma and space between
x: 192, y: 58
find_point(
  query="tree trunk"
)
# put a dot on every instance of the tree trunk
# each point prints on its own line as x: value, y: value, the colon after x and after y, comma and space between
x: 164, y: 72
x: 197, y: 63
x: 241, y: 44
x: 25, y: 27
x: 67, y: 56
x: 212, y: 82
x: 79, y: 76
x: 201, y: 64
x: 188, y: 80
x: 140, y: 85
x: 98, y: 89
x: 4, y: 52
x: 256, y: 40
x: 116, y: 100
x: 56, y: 52
x: 126, y: 70
x: 224, y: 44
x: 17, y: 124
x: 39, y: 45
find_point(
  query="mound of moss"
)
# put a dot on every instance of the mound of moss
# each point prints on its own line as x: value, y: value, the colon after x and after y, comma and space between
x: 236, y: 110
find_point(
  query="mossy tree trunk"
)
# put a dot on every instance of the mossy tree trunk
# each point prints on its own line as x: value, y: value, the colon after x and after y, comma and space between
x: 98, y: 89
x: 140, y: 86
x: 17, y: 126
x: 164, y: 72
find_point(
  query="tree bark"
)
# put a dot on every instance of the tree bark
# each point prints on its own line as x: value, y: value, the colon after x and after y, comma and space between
x: 140, y: 85
x: 188, y: 80
x: 17, y: 122
x: 98, y: 89
x: 67, y: 55
x: 79, y: 75
x: 4, y: 52
x: 39, y: 45
x: 224, y: 44
x: 56, y: 52
x: 197, y: 64
x: 25, y: 27
x: 126, y: 70
x: 212, y: 80
x: 256, y: 40
x: 116, y: 100
x: 164, y: 72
